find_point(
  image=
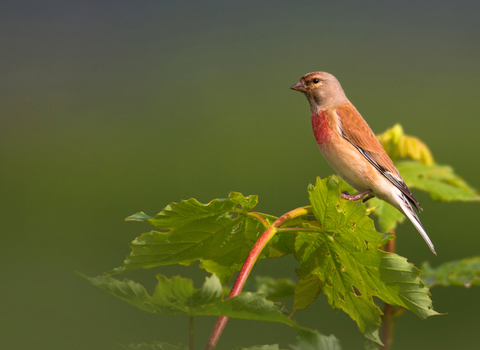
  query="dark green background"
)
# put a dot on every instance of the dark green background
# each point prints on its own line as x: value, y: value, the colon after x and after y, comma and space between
x: 113, y: 107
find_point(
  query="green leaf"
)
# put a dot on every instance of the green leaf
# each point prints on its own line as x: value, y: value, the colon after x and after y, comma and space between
x: 312, y: 340
x: 260, y: 347
x: 464, y: 273
x: 140, y: 216
x: 343, y: 253
x: 344, y: 186
x: 155, y: 346
x: 369, y: 345
x: 439, y: 180
x: 306, y: 291
x: 281, y: 244
x: 220, y: 234
x: 274, y: 289
x: 399, y: 145
x: 178, y: 214
x: 176, y: 296
x: 388, y: 217
x: 165, y: 346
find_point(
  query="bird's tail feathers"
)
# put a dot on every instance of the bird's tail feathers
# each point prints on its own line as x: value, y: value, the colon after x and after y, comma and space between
x: 412, y: 216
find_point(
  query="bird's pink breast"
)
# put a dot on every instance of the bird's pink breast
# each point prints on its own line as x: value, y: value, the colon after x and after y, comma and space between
x: 321, y: 128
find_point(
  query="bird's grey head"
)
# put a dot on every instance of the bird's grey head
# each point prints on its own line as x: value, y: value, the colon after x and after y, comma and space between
x: 321, y: 89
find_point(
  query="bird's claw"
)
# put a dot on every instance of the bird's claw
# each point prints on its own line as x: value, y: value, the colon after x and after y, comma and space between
x: 349, y: 197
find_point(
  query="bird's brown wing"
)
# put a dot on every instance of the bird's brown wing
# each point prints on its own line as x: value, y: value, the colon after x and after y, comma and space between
x: 356, y: 130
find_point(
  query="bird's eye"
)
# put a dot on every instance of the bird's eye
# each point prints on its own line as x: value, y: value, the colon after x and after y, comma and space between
x: 316, y: 81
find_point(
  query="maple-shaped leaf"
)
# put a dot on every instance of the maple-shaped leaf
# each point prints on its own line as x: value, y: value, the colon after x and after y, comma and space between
x: 422, y: 173
x: 388, y: 217
x: 166, y: 346
x: 260, y: 347
x: 343, y: 253
x: 155, y: 346
x: 465, y: 272
x: 219, y: 234
x: 177, y: 296
x: 274, y: 289
x: 440, y: 181
x: 308, y: 339
x: 400, y: 145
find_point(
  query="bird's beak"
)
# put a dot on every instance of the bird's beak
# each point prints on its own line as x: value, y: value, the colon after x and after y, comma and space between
x: 299, y: 87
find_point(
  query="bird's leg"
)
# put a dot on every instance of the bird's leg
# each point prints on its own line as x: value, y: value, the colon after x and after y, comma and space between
x: 370, y: 196
x: 347, y: 196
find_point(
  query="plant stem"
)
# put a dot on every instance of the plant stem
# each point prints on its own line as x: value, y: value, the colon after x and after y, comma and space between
x: 390, y: 246
x: 247, y: 267
x: 296, y: 229
x: 190, y: 331
x: 387, y: 329
x: 388, y: 311
x: 259, y: 218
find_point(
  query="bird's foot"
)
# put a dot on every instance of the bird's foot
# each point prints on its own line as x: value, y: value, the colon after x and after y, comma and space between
x: 367, y: 198
x: 349, y: 197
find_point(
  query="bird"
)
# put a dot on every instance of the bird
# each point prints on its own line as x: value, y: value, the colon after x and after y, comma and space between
x: 351, y: 148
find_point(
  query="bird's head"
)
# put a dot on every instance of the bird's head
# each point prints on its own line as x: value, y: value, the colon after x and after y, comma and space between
x: 321, y: 89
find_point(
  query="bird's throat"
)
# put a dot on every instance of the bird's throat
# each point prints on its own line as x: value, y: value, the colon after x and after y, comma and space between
x: 321, y: 128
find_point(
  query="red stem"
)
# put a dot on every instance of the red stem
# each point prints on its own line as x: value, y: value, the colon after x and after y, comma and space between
x: 190, y: 331
x: 387, y: 329
x: 247, y: 267
x: 388, y: 311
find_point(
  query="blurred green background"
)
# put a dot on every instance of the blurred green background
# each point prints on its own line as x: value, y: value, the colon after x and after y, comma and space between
x: 114, y: 107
